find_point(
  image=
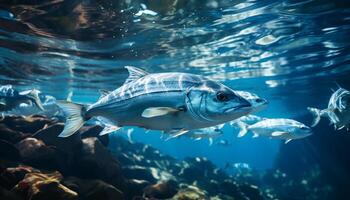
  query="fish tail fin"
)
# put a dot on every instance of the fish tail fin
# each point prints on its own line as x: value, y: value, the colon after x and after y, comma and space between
x: 316, y: 114
x: 243, y: 129
x: 33, y: 95
x: 75, y: 118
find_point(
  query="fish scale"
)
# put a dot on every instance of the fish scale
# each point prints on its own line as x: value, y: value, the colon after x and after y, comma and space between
x: 175, y: 82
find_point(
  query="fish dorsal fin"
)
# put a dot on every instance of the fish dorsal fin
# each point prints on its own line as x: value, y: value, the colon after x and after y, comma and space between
x: 104, y: 93
x: 134, y: 74
x: 278, y: 133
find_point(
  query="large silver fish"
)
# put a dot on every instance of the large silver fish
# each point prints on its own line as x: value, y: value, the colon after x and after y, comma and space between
x: 171, y: 102
x: 11, y: 98
x: 338, y: 110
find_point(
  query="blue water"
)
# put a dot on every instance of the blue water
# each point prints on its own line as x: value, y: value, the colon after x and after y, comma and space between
x: 289, y: 52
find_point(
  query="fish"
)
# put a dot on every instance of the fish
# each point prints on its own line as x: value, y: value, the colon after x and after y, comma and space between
x: 49, y: 105
x: 258, y: 104
x: 248, y: 119
x: 10, y: 98
x: 223, y: 142
x: 338, y: 110
x: 205, y: 133
x: 285, y: 129
x: 238, y: 168
x: 171, y: 102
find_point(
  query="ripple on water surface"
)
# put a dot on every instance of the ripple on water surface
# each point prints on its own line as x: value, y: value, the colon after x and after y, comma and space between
x: 70, y: 45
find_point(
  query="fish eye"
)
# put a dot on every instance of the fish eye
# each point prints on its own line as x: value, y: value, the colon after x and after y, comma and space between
x: 221, y: 96
x: 303, y: 128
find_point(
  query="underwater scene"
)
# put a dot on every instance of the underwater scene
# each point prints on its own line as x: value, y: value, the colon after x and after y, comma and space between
x: 174, y: 99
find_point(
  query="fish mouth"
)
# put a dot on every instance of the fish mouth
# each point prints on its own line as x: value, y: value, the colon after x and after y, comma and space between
x: 261, y: 101
x: 309, y: 133
x: 239, y: 107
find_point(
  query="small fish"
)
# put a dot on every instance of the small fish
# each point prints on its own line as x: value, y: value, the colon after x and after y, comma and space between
x: 48, y: 103
x: 338, y: 110
x: 11, y: 98
x: 171, y: 102
x: 197, y: 134
x: 223, y: 142
x: 205, y: 133
x: 238, y: 167
x: 286, y: 129
x: 248, y: 119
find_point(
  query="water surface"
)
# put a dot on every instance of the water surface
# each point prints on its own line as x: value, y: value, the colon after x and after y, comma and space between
x: 289, y: 52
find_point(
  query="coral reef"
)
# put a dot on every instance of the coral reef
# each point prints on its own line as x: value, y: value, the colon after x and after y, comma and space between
x: 36, y: 164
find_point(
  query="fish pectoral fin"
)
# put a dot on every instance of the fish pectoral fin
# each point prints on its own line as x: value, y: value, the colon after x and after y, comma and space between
x: 109, y: 129
x: 158, y: 111
x: 278, y: 133
x: 255, y: 135
x: 177, y: 134
x: 287, y: 141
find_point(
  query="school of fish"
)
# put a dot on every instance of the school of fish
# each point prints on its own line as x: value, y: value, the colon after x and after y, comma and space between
x: 178, y: 104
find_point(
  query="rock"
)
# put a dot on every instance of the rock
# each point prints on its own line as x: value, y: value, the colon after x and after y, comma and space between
x: 251, y: 192
x: 192, y: 173
x: 65, y: 148
x: 30, y: 124
x: 10, y: 135
x: 162, y: 190
x: 94, y: 131
x: 135, y: 188
x: 191, y: 193
x: 9, y: 195
x: 94, y: 161
x: 229, y: 187
x: 40, y: 186
x: 139, y: 172
x: 9, y: 152
x: 50, y: 136
x: 29, y: 146
x: 35, y: 153
x: 125, y: 159
x: 93, y: 189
